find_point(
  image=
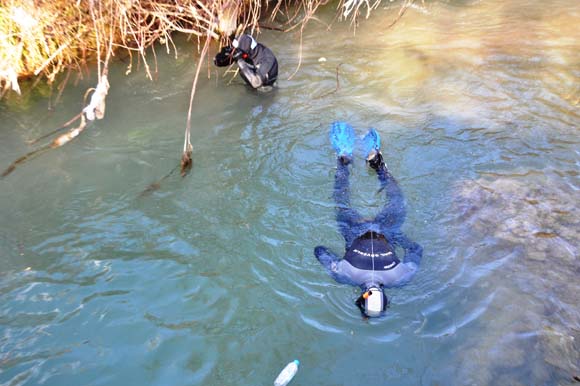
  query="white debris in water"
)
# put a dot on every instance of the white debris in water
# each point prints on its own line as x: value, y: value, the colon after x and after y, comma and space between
x: 96, y: 109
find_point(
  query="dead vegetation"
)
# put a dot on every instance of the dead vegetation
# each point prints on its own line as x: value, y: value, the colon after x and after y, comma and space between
x: 44, y: 38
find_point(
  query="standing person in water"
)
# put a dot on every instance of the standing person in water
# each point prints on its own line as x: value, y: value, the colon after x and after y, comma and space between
x: 370, y: 261
x: 257, y: 63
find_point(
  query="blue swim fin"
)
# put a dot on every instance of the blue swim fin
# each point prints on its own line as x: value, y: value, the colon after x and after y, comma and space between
x: 371, y: 143
x: 342, y: 138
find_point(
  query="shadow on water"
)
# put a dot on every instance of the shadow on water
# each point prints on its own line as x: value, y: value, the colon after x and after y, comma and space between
x: 211, y: 279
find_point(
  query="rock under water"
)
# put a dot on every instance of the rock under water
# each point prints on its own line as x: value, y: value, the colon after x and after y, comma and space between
x: 532, y: 333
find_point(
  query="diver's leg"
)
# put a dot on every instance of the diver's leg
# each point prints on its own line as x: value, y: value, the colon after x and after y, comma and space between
x: 392, y: 216
x: 248, y: 74
x: 346, y: 217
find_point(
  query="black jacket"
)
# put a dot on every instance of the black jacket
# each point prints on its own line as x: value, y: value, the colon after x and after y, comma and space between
x: 258, y: 65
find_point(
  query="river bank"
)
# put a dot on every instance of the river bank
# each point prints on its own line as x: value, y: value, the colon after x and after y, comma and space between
x: 48, y: 38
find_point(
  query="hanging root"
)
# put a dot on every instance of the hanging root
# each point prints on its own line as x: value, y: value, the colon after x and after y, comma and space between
x: 186, y: 162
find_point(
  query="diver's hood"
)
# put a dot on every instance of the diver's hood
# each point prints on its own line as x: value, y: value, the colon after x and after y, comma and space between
x: 245, y: 43
x: 375, y: 302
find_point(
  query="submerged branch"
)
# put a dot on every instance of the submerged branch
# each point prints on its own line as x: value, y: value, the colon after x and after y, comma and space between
x: 23, y: 159
x: 337, y: 84
x: 60, y: 128
x: 58, y: 142
x: 157, y: 184
x: 186, y: 161
x: 402, y: 11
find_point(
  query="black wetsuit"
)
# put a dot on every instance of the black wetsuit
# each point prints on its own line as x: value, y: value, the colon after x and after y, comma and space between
x: 258, y: 67
x: 370, y: 258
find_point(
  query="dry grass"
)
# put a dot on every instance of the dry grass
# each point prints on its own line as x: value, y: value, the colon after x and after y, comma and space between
x: 45, y: 37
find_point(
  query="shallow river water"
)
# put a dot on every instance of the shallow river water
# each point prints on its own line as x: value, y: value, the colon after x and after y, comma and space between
x: 211, y: 279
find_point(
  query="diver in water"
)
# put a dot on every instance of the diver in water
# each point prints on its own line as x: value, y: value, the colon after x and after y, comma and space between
x: 370, y: 261
x: 257, y: 63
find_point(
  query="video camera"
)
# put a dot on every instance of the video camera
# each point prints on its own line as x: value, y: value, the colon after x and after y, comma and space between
x: 224, y: 57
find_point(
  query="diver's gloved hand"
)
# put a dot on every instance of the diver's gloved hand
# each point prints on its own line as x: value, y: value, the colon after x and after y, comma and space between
x: 224, y: 57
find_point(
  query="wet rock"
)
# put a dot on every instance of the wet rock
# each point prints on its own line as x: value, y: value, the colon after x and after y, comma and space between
x: 545, y: 221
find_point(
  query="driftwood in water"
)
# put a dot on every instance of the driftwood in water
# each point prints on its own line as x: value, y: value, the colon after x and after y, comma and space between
x: 94, y: 110
x: 62, y: 127
x: 65, y: 138
x: 337, y: 85
x: 185, y: 167
x: 58, y: 142
x: 186, y: 163
x: 23, y: 159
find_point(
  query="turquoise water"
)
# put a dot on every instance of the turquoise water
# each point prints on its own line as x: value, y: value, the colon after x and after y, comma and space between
x: 211, y: 279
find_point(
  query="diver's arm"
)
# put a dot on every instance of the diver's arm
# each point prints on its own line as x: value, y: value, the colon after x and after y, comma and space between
x: 413, y: 251
x: 250, y: 73
x: 404, y: 272
x: 331, y: 262
x: 263, y: 70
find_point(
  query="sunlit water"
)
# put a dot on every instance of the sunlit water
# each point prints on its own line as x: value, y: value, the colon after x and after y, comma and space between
x: 211, y: 279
